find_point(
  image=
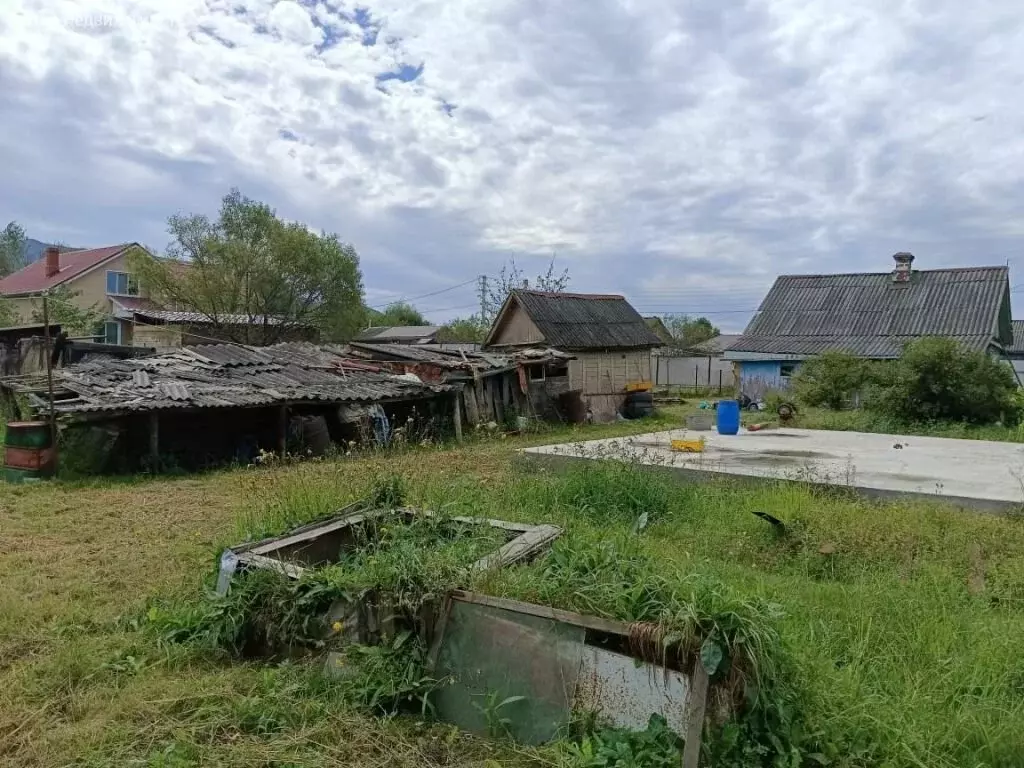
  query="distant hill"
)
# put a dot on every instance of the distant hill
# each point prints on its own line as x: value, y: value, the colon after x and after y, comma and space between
x: 34, y: 249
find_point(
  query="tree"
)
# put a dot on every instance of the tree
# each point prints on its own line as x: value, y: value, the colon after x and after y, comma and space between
x: 63, y: 310
x: 688, y: 331
x: 830, y: 379
x: 463, y: 329
x: 398, y: 313
x: 277, y: 275
x: 512, y: 277
x: 12, y: 248
x: 8, y: 316
x: 941, y: 379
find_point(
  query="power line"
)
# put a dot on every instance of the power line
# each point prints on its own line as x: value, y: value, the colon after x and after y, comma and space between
x: 422, y: 296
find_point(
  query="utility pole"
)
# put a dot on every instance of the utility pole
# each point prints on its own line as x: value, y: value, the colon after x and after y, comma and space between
x: 483, y: 299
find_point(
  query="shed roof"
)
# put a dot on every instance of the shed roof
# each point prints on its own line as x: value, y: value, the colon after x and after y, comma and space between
x: 220, y: 376
x: 579, y: 321
x: 407, y: 333
x: 33, y: 279
x: 870, y: 315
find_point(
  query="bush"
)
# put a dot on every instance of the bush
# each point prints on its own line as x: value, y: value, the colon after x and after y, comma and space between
x: 940, y: 379
x: 830, y: 379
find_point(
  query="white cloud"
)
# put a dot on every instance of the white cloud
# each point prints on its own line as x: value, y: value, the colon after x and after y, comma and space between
x: 683, y: 154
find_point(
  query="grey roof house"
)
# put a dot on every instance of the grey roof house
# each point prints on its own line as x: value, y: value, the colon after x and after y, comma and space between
x: 872, y: 315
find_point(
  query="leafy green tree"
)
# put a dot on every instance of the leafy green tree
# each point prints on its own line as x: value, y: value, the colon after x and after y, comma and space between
x: 398, y: 313
x: 463, y: 329
x: 63, y: 309
x: 12, y: 248
x: 278, y: 275
x: 830, y: 379
x: 7, y: 314
x: 688, y: 331
x: 940, y: 379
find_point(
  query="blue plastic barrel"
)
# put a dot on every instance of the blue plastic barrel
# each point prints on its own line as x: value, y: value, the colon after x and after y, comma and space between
x: 728, y: 417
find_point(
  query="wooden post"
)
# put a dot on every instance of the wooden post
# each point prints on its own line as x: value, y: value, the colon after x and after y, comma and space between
x: 154, y: 440
x: 695, y: 709
x: 282, y: 430
x: 457, y: 417
x: 49, y: 372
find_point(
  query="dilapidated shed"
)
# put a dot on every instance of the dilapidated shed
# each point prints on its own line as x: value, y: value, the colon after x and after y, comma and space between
x: 495, y: 387
x: 208, y: 404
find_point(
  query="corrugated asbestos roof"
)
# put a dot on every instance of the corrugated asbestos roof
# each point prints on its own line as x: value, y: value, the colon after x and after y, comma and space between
x: 219, y: 376
x: 1017, y: 348
x: 872, y: 316
x: 386, y: 333
x: 577, y: 321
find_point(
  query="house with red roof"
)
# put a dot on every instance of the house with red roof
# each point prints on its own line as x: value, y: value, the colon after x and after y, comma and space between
x: 95, y: 278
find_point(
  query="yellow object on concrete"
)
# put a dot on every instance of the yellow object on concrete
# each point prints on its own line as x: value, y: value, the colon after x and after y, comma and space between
x: 688, y: 446
x: 639, y: 386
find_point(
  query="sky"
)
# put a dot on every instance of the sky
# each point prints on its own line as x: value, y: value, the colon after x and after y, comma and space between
x: 680, y: 152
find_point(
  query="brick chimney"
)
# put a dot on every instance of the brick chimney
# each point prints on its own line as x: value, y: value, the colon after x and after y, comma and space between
x: 903, y: 271
x: 52, y: 260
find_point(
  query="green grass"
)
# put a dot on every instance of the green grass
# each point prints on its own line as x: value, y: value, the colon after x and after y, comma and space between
x: 902, y: 621
x: 865, y: 421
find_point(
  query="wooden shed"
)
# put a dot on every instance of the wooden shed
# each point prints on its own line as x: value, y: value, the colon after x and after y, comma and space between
x: 610, y: 342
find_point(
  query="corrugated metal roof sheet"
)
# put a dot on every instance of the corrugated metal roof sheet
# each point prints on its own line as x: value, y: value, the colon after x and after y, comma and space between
x: 1017, y: 348
x: 869, y: 314
x: 218, y: 376
x: 399, y: 332
x: 576, y: 321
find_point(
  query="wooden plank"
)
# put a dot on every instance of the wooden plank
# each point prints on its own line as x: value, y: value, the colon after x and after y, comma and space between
x: 282, y: 430
x: 457, y: 416
x: 315, y: 532
x: 154, y: 440
x: 695, y: 711
x: 595, y: 623
x: 439, y: 630
x: 288, y: 569
x: 519, y: 548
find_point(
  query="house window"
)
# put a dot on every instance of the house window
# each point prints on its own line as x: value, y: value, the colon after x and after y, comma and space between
x: 111, y: 332
x: 536, y: 372
x: 122, y: 284
x: 787, y: 369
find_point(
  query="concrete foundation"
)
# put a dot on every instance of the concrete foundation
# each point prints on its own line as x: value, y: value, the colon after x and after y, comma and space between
x: 978, y: 474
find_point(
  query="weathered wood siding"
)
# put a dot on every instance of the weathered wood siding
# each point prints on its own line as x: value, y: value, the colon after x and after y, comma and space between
x: 602, y: 378
x: 517, y: 328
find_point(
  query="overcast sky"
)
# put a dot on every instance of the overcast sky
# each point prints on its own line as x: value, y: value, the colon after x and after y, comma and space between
x: 681, y: 153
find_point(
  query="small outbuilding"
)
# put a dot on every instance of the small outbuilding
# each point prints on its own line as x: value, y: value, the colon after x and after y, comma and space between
x: 610, y: 343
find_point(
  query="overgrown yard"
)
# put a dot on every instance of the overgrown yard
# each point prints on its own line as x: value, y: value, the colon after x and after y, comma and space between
x: 900, y: 628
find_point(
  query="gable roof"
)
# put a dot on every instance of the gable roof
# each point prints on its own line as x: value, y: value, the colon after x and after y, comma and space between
x: 658, y: 327
x: 407, y: 333
x: 576, y: 321
x: 869, y: 315
x: 32, y: 278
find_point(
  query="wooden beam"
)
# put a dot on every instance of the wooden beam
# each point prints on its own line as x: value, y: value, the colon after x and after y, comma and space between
x: 544, y: 612
x: 282, y: 430
x: 457, y: 416
x: 154, y: 440
x: 696, y: 706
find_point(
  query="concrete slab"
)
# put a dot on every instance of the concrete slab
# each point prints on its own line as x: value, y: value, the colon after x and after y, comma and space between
x: 980, y: 474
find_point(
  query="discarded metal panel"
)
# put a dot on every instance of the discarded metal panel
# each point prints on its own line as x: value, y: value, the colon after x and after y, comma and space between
x: 626, y: 694
x: 549, y: 664
x: 493, y: 656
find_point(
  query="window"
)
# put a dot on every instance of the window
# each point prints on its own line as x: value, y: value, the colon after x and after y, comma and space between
x: 787, y: 369
x: 536, y: 372
x: 111, y: 332
x: 122, y: 284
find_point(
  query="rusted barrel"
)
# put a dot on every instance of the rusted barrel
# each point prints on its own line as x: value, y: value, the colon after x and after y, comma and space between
x: 28, y: 451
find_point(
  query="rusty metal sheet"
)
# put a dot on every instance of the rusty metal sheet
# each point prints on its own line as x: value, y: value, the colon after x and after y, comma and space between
x: 625, y: 693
